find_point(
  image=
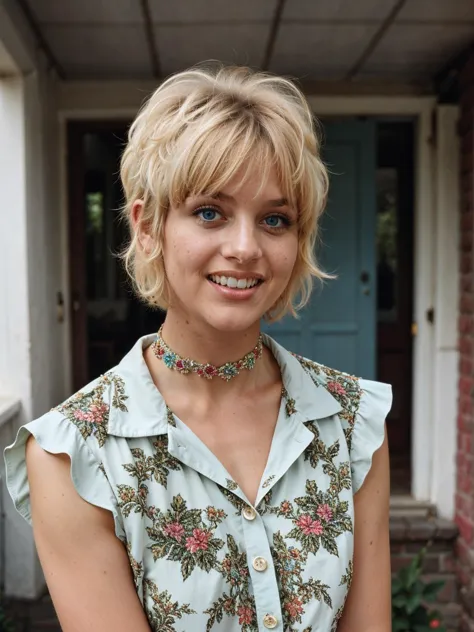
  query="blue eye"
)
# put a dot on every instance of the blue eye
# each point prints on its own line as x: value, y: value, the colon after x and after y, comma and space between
x: 275, y: 221
x: 207, y: 213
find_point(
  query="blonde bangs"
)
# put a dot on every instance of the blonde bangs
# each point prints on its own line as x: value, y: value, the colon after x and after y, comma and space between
x: 206, y: 161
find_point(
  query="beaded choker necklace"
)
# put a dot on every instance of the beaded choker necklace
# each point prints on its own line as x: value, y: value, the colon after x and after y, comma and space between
x: 184, y: 365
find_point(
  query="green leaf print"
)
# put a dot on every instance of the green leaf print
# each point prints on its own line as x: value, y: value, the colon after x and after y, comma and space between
x: 238, y: 601
x: 163, y: 613
x: 295, y: 593
x: 345, y: 389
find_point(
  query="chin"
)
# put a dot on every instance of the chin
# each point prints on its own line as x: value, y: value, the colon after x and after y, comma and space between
x: 232, y: 320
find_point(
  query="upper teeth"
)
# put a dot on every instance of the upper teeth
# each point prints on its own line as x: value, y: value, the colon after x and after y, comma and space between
x: 241, y: 284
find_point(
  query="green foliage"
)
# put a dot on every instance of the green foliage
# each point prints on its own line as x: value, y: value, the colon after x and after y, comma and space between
x: 410, y: 596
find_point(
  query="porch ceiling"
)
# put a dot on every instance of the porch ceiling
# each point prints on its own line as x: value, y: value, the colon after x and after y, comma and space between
x: 314, y: 40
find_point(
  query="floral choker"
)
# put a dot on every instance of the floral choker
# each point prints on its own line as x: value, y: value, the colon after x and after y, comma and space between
x: 184, y: 365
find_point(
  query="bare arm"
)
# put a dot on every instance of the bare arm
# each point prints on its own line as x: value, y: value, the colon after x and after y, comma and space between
x: 368, y: 606
x: 85, y: 564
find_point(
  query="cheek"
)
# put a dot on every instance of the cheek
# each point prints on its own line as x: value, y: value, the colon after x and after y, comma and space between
x: 183, y: 254
x: 285, y: 258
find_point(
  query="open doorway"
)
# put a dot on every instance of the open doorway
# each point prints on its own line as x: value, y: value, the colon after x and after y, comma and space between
x: 107, y: 318
x: 395, y: 262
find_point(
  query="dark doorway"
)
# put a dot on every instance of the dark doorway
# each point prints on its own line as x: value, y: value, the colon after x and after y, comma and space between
x: 106, y: 316
x: 395, y: 219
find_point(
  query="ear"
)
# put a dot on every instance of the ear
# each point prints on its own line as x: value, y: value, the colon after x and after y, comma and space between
x: 140, y: 228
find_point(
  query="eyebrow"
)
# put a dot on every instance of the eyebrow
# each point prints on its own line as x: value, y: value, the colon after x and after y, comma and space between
x: 279, y: 202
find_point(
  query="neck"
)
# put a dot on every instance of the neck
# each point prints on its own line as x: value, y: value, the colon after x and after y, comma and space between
x: 207, y: 345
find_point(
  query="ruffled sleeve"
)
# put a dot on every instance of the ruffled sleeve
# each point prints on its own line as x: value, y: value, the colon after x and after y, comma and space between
x: 57, y: 435
x: 369, y: 428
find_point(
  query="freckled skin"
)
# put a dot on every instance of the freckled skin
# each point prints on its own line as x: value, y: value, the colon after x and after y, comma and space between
x: 239, y: 241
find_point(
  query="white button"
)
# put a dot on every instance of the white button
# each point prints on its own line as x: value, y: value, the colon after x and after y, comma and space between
x: 260, y: 564
x: 269, y: 621
x: 249, y: 513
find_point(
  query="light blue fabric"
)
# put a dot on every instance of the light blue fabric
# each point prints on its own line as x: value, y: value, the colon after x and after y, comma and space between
x: 195, y: 542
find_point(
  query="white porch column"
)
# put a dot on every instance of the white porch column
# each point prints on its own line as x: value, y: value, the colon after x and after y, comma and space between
x: 20, y: 574
x: 446, y: 354
x: 32, y: 341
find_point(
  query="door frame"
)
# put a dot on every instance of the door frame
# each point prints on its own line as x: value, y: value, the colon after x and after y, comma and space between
x: 99, y: 105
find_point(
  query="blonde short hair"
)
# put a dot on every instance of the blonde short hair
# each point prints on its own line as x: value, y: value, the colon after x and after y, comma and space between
x: 193, y: 135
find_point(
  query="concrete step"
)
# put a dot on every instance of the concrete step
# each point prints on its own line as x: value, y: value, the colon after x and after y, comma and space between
x: 404, y: 506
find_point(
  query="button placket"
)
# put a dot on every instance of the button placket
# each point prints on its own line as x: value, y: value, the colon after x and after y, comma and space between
x: 262, y: 571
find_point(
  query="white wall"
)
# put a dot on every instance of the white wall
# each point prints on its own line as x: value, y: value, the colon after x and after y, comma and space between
x: 32, y: 341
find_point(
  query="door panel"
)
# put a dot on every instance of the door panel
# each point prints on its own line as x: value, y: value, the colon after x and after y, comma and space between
x: 338, y: 326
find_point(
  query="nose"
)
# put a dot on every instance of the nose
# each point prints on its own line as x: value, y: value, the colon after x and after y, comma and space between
x: 242, y: 242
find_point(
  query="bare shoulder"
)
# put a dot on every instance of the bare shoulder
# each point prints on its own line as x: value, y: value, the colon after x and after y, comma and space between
x: 83, y: 560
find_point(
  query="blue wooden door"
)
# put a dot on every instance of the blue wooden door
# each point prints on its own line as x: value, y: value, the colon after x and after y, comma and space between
x: 338, y: 326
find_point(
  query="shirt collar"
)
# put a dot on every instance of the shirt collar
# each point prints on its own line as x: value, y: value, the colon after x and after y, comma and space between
x: 145, y: 413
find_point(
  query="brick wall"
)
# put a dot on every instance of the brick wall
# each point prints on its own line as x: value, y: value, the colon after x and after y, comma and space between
x: 408, y: 536
x: 465, y: 450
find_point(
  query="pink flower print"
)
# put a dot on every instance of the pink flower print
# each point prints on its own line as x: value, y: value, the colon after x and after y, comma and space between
x: 304, y: 523
x: 309, y: 526
x: 294, y: 607
x: 334, y: 387
x: 285, y: 507
x: 316, y: 527
x: 325, y: 513
x: 198, y: 541
x: 98, y: 413
x: 174, y: 530
x: 245, y: 615
x: 83, y: 416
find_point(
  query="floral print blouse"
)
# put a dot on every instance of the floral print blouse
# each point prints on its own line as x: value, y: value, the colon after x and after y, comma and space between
x: 203, y: 557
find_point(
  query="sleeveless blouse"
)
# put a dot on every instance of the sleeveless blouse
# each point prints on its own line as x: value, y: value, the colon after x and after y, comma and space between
x: 203, y: 557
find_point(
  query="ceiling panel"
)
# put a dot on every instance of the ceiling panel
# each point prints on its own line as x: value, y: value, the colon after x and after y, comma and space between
x: 319, y: 52
x: 338, y: 10
x: 100, y: 51
x: 89, y: 11
x: 205, y: 11
x: 183, y: 46
x: 438, y: 10
x: 417, y: 50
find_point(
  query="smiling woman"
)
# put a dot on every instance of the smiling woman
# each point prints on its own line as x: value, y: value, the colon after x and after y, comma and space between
x: 213, y: 480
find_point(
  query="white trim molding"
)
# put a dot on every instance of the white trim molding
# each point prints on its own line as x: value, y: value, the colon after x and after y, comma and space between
x: 424, y: 285
x: 446, y: 353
